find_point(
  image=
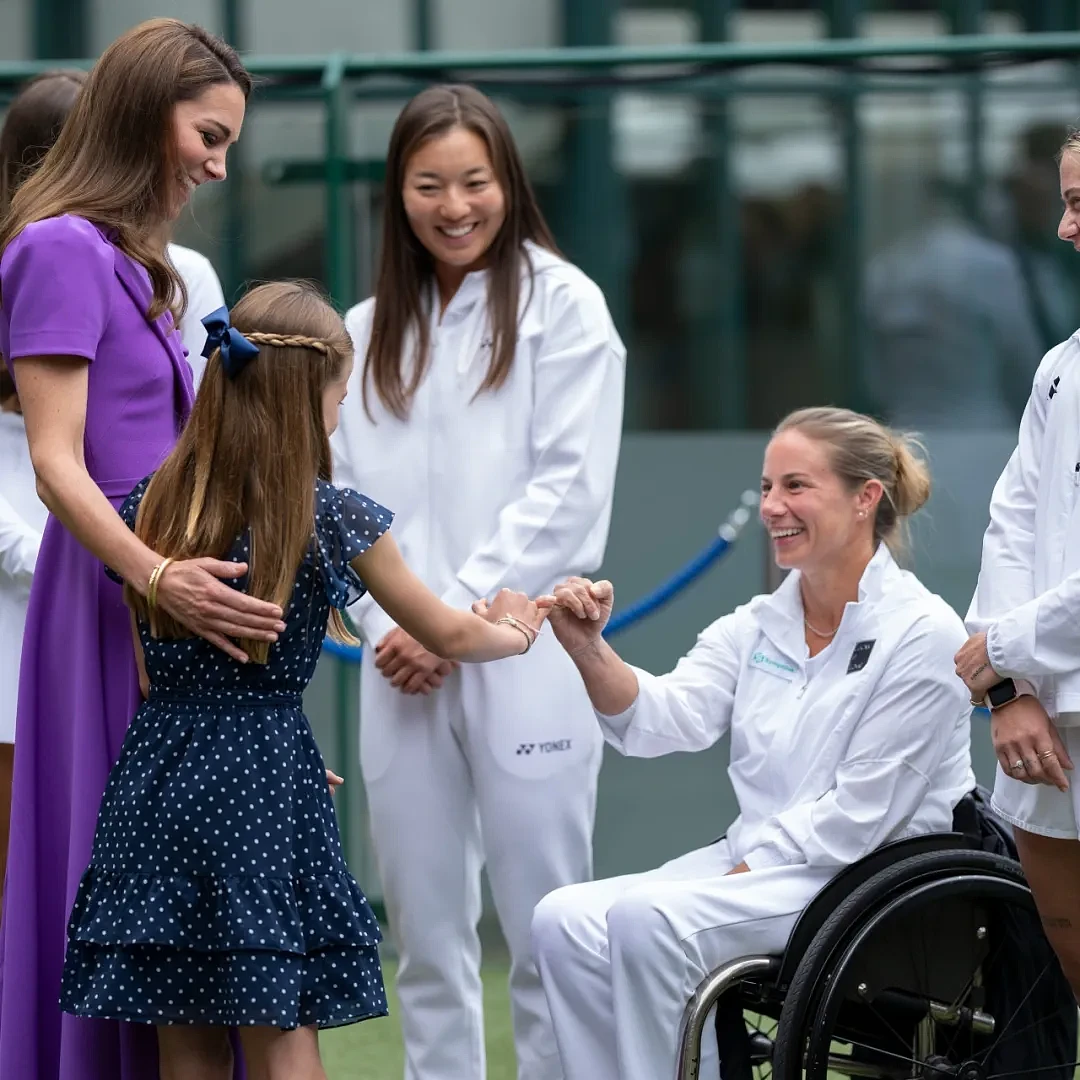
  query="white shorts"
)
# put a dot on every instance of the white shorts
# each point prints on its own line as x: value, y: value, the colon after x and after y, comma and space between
x: 1039, y: 808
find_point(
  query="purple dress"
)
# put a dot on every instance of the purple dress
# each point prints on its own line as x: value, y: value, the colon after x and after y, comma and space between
x: 65, y: 289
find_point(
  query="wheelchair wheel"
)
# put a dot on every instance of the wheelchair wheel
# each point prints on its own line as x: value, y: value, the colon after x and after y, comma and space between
x: 934, y: 969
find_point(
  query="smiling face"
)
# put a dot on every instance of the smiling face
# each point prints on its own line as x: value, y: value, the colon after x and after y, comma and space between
x: 1069, y: 228
x: 813, y: 517
x: 203, y: 129
x: 453, y: 199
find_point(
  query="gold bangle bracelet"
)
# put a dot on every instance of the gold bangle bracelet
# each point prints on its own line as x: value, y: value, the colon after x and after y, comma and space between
x: 532, y: 631
x: 509, y: 620
x: 155, y: 578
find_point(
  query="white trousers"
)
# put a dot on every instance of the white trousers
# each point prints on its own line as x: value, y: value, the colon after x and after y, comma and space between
x: 499, y: 766
x: 619, y: 959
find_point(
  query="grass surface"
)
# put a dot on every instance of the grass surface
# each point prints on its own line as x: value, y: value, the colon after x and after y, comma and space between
x: 373, y: 1050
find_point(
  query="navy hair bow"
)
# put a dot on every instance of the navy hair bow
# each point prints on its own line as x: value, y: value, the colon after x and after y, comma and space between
x: 236, y: 351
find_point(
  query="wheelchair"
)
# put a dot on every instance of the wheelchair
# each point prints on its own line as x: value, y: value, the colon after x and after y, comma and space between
x: 924, y: 961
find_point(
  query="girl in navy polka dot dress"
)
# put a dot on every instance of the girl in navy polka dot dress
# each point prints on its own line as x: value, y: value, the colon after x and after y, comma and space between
x: 217, y: 895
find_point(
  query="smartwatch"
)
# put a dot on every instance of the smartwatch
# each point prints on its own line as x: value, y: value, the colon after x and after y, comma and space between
x: 1001, y: 694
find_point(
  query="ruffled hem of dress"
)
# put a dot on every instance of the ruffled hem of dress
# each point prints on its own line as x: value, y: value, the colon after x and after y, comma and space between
x: 160, y: 985
x: 206, y: 914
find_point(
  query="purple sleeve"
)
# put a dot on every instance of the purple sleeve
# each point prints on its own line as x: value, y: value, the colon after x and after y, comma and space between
x: 55, y: 283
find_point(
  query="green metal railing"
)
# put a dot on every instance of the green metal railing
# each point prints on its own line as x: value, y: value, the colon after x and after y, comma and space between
x: 568, y: 75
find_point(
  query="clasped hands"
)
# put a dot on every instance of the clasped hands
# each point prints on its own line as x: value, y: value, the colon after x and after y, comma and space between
x: 1026, y: 741
x: 578, y: 611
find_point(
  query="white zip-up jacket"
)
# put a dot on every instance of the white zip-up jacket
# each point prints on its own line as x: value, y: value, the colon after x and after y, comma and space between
x: 512, y: 489
x: 833, y: 755
x: 22, y: 522
x: 1028, y: 594
x: 204, y: 296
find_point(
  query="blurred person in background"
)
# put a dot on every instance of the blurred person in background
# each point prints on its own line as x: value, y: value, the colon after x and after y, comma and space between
x: 486, y: 408
x: 950, y: 326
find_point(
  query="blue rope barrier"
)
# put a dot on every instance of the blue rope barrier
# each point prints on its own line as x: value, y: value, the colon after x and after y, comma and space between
x: 726, y: 536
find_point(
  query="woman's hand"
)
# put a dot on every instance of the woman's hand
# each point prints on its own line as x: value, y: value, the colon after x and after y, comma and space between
x: 1027, y: 743
x: 191, y: 593
x: 973, y: 666
x: 580, y: 611
x: 410, y: 667
x: 334, y: 781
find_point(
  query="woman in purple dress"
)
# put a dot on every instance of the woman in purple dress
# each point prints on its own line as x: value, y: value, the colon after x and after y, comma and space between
x: 87, y: 325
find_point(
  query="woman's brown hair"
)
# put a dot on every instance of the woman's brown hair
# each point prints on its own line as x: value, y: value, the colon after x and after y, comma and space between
x: 407, y: 269
x: 862, y: 449
x: 251, y: 451
x: 31, y: 125
x: 115, y: 162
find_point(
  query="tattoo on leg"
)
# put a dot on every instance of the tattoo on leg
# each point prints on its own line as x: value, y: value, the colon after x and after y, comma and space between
x: 1052, y: 922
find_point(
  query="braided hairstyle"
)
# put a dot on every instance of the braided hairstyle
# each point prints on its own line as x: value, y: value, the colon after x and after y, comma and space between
x: 289, y: 341
x: 250, y: 453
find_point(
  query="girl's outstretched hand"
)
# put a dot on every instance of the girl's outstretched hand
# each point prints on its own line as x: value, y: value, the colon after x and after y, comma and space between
x: 579, y: 611
x: 516, y: 605
x: 527, y: 615
x: 334, y: 781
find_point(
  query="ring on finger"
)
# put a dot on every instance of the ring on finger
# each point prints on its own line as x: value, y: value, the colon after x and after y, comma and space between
x: 1017, y: 765
x: 1043, y: 754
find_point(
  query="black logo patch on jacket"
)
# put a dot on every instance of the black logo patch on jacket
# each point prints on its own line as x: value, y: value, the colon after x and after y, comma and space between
x: 859, y: 656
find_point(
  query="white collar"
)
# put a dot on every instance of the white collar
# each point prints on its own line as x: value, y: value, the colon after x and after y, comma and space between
x: 780, y: 614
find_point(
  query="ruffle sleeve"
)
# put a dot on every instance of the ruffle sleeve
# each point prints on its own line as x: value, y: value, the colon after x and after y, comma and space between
x: 347, y: 524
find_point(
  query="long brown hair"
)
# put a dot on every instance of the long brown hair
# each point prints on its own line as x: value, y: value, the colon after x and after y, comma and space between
x: 406, y: 268
x: 250, y: 453
x: 31, y: 125
x: 115, y: 162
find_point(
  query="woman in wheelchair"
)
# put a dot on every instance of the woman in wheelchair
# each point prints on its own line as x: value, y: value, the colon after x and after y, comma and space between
x: 848, y: 729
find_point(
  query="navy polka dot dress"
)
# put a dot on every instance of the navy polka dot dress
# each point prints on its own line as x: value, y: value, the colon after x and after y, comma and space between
x: 217, y: 892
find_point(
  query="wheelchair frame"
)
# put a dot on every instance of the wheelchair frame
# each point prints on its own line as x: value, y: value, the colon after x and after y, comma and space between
x: 774, y: 974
